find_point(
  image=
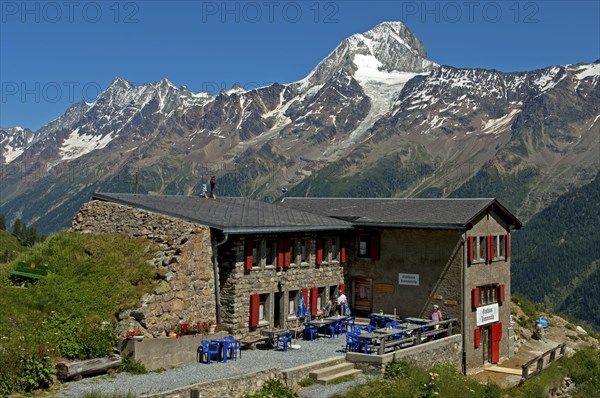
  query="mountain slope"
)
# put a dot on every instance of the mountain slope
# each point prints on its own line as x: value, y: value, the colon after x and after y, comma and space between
x: 374, y: 118
x: 557, y: 255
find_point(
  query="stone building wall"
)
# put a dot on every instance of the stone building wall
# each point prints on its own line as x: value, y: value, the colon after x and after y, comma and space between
x: 186, y: 293
x: 237, y: 284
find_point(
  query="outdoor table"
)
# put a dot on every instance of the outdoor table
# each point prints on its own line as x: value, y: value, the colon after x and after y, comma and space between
x: 379, y: 336
x: 380, y: 320
x: 323, y: 323
x: 427, y: 323
x: 274, y: 335
x: 221, y: 343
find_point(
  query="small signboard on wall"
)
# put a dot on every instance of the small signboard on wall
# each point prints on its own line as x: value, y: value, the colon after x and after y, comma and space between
x: 487, y: 314
x: 408, y: 279
x: 384, y: 288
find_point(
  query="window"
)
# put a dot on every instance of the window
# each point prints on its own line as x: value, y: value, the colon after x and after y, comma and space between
x: 487, y: 294
x: 271, y: 252
x: 263, y: 307
x: 364, y: 246
x: 335, y: 255
x: 293, y: 296
x: 294, y: 251
x: 480, y: 245
x: 322, y: 299
x: 303, y: 250
x: 326, y: 249
x: 501, y: 245
x: 368, y: 246
x: 255, y: 257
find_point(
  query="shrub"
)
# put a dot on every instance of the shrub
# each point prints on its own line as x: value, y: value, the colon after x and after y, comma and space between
x: 132, y: 366
x: 272, y: 389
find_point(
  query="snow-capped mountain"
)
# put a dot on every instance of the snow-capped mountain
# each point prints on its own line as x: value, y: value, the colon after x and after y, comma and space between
x: 13, y: 141
x: 376, y: 117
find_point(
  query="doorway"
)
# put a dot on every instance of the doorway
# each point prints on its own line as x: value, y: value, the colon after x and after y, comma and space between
x: 486, y: 344
x: 362, y: 296
x: 277, y: 321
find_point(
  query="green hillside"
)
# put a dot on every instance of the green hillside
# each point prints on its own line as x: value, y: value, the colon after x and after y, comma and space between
x: 557, y: 255
x: 9, y: 246
x: 91, y: 277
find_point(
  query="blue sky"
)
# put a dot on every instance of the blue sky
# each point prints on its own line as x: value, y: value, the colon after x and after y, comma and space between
x: 56, y: 53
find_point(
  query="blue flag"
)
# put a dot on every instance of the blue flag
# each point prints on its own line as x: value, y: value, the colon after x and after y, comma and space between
x: 301, y: 307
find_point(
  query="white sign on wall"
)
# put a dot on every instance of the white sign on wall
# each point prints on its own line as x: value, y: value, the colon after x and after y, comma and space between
x: 408, y: 279
x: 487, y: 314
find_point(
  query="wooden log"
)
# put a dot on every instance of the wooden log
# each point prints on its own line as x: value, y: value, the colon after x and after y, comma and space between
x: 76, y: 370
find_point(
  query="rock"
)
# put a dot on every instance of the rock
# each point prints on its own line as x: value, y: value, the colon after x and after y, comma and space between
x: 139, y: 315
x: 580, y: 330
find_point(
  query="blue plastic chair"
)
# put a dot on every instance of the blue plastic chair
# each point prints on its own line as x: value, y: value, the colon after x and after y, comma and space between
x: 332, y: 329
x: 362, y: 344
x: 206, y: 350
x: 310, y: 331
x: 285, y: 340
x: 349, y: 324
x: 235, y: 347
x: 350, y: 342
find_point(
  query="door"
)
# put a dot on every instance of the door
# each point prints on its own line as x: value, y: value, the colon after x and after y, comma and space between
x: 485, y: 343
x: 277, y: 320
x: 362, y: 296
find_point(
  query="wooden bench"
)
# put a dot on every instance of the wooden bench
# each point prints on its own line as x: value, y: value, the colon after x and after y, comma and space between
x: 251, y: 343
x: 30, y: 270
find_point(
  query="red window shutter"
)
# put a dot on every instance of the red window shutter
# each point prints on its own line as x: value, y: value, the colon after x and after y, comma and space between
x: 314, y: 295
x: 287, y: 256
x: 280, y: 252
x: 343, y: 254
x: 305, y: 296
x: 319, y: 254
x: 501, y: 293
x: 490, y: 248
x: 477, y: 337
x: 375, y: 246
x: 507, y: 246
x: 248, y: 255
x: 342, y: 288
x: 254, y: 303
x: 475, y: 298
x: 470, y: 249
x: 496, y: 331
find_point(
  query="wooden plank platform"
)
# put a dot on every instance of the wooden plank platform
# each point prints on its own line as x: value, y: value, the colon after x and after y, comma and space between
x: 498, y: 369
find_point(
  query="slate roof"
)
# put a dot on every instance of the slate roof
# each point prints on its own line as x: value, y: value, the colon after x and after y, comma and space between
x: 408, y: 213
x: 231, y: 215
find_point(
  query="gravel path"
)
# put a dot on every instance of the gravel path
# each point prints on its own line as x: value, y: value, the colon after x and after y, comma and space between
x: 181, y: 376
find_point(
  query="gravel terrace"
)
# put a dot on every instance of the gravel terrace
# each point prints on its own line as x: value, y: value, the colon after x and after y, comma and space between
x: 185, y: 375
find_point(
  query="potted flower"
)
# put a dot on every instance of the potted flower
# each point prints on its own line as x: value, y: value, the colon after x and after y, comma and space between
x: 137, y: 335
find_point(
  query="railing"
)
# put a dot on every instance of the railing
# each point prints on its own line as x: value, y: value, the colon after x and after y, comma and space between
x: 539, y: 360
x: 444, y: 328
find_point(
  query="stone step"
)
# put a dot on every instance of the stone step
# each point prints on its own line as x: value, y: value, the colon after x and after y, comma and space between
x: 331, y: 370
x: 329, y: 379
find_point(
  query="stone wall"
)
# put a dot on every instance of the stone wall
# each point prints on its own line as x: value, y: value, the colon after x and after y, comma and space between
x: 446, y: 350
x: 234, y: 387
x: 184, y: 258
x: 165, y: 352
x: 237, y: 284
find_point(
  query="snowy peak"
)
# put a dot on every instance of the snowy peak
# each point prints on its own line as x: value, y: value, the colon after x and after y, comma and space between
x: 13, y: 141
x: 389, y: 47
